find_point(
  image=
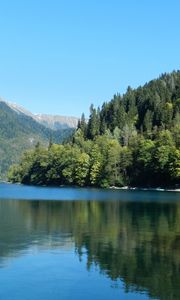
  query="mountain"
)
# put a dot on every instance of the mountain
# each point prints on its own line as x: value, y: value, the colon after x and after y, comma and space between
x: 54, y: 122
x: 19, y: 130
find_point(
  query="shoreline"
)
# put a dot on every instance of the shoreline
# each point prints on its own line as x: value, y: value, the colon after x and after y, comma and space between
x: 123, y: 188
x: 158, y: 189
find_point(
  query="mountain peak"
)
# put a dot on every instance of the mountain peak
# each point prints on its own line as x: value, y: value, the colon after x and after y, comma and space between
x: 54, y: 122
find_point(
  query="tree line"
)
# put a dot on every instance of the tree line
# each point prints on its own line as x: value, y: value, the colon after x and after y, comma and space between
x: 132, y: 140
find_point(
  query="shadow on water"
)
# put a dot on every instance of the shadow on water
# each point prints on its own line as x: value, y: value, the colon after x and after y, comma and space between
x: 137, y: 242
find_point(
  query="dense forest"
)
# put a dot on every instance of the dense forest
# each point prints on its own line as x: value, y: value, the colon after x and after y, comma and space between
x: 19, y: 132
x: 132, y: 140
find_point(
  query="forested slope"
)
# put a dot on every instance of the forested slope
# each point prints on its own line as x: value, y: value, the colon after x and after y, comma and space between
x: 19, y: 132
x: 132, y: 140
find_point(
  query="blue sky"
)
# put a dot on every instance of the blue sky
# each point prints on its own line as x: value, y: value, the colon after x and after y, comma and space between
x: 60, y: 56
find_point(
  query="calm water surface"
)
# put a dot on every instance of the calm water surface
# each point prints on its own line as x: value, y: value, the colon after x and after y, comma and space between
x: 88, y: 244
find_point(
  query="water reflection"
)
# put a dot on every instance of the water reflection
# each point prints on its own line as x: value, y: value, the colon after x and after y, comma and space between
x: 138, y: 243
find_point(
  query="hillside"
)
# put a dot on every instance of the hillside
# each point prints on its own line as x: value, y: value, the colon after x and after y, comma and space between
x: 132, y: 140
x: 54, y: 122
x: 154, y: 106
x: 19, y: 131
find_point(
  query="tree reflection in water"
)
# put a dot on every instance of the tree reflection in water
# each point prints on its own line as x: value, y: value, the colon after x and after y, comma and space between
x: 138, y: 243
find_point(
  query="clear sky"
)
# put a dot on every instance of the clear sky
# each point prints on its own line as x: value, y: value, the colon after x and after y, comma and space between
x: 59, y: 56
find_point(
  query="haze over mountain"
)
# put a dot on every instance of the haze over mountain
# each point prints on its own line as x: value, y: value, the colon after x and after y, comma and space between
x: 21, y: 130
x: 56, y: 122
x: 50, y: 121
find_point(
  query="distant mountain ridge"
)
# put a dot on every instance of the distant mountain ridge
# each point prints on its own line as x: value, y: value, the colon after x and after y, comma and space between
x: 54, y: 122
x: 21, y: 130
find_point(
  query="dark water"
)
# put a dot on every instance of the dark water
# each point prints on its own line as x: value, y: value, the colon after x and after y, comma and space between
x: 88, y: 244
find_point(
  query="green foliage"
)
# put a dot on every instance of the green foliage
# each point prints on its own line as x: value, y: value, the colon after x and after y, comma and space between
x: 81, y: 169
x: 132, y: 140
x: 95, y: 169
x: 19, y: 132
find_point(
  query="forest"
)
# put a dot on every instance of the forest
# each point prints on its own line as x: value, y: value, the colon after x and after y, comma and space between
x: 132, y: 140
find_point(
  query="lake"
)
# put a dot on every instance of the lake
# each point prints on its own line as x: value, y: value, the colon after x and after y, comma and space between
x: 72, y: 243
